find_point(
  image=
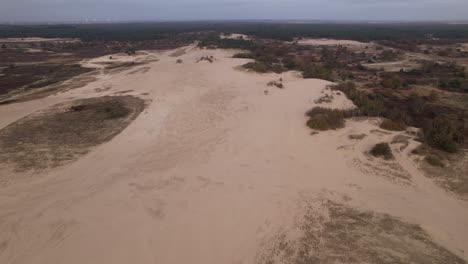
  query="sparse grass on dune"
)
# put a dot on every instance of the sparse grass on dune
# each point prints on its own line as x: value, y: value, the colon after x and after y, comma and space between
x: 338, y: 233
x: 57, y: 135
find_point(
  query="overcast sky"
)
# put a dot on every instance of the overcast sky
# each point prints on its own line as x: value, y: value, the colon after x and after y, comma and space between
x: 121, y: 10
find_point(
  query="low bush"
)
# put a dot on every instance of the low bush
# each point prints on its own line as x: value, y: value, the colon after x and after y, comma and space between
x: 243, y: 56
x: 277, y: 84
x: 325, y: 119
x: 77, y: 108
x: 257, y: 67
x: 441, y: 134
x: 390, y: 125
x: 382, y: 150
x: 316, y: 71
x: 357, y: 136
x: 434, y: 161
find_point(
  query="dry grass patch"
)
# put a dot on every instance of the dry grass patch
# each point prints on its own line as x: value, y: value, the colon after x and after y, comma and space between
x: 64, y: 132
x: 449, y: 171
x: 357, y: 136
x: 336, y: 233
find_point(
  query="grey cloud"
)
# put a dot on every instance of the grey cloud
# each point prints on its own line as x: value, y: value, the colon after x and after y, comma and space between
x: 68, y: 10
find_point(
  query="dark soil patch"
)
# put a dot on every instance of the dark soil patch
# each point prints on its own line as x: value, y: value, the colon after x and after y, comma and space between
x: 64, y: 132
x: 335, y: 233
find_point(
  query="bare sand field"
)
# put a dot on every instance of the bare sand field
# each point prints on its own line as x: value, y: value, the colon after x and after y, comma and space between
x: 235, y: 36
x: 216, y: 170
x: 331, y: 42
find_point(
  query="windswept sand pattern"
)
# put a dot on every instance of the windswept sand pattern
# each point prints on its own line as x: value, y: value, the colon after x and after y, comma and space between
x: 213, y: 170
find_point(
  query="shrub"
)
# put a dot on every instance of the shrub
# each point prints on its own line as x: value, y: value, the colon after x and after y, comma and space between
x: 390, y: 125
x: 77, y: 108
x: 277, y: 84
x: 382, y: 150
x: 315, y: 71
x: 243, y: 56
x: 325, y: 119
x: 179, y: 61
x: 441, y: 134
x: 361, y: 67
x: 257, y: 66
x: 394, y: 83
x: 368, y: 105
x: 434, y: 161
x: 357, y: 136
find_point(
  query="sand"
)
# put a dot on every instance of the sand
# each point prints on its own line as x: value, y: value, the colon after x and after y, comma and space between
x: 208, y: 172
x: 331, y: 42
x: 235, y: 36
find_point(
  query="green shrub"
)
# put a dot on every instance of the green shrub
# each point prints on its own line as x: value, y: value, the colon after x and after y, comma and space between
x: 390, y: 125
x: 325, y: 119
x: 382, y: 150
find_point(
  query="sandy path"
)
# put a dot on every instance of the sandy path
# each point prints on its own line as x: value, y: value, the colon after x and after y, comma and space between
x: 208, y: 171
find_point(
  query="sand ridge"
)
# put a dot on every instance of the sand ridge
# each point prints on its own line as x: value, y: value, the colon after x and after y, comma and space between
x: 208, y: 171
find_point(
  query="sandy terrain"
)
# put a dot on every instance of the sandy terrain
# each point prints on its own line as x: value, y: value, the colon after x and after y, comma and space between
x: 394, y: 66
x: 235, y: 36
x: 330, y: 42
x: 211, y: 170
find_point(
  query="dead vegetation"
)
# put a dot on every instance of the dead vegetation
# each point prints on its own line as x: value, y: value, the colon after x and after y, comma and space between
x: 277, y: 84
x: 357, y: 136
x: 210, y: 59
x: 336, y: 233
x: 64, y: 132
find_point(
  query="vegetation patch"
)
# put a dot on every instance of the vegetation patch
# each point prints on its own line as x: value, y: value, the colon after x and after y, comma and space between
x: 382, y: 150
x: 30, y: 77
x: 62, y: 133
x: 434, y: 161
x: 357, y: 136
x: 325, y: 119
x: 448, y: 170
x: 277, y: 84
x: 390, y: 125
x: 335, y: 233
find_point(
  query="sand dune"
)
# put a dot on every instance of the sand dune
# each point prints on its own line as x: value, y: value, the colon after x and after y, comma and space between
x: 331, y: 42
x: 208, y: 172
